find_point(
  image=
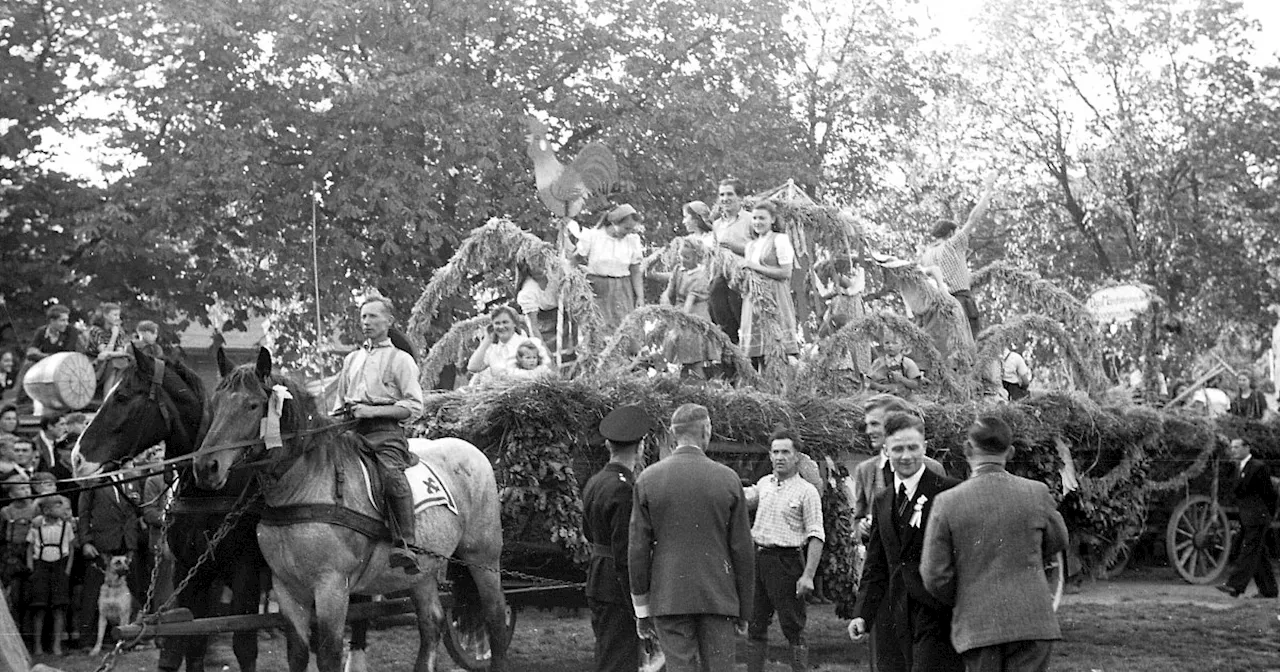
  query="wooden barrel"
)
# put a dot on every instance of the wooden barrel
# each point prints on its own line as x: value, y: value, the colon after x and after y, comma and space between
x: 62, y: 382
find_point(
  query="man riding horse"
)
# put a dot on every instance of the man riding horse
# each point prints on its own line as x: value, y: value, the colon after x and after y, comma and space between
x: 379, y: 388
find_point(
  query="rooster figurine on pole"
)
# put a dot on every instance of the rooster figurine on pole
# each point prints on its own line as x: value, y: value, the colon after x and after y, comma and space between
x: 564, y: 189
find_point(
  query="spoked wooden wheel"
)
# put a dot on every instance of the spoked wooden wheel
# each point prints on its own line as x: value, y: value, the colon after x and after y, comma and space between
x: 1117, y: 566
x: 1055, y: 570
x: 1199, y: 539
x: 469, y: 648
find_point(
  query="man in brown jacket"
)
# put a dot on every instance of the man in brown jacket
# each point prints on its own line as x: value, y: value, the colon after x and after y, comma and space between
x: 984, y: 553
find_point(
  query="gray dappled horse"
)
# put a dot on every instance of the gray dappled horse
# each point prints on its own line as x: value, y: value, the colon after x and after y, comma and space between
x: 164, y: 400
x: 317, y: 501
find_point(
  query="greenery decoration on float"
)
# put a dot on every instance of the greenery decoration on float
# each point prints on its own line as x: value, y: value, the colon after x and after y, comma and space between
x: 500, y: 244
x: 1039, y: 295
x: 1128, y: 459
x: 1087, y: 369
x: 871, y: 328
x: 650, y: 325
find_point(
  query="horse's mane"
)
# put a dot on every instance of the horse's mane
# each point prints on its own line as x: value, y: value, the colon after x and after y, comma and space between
x: 191, y: 379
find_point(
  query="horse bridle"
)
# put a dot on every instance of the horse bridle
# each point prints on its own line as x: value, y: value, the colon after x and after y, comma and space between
x: 157, y: 383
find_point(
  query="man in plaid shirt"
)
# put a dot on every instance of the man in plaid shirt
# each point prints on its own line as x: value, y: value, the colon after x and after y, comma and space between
x: 789, y: 535
x: 949, y: 253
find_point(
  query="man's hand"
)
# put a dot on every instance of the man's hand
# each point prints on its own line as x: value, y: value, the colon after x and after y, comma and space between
x: 864, y: 526
x: 804, y: 586
x: 89, y: 551
x: 363, y: 411
x: 857, y: 629
x: 740, y: 627
x: 646, y: 629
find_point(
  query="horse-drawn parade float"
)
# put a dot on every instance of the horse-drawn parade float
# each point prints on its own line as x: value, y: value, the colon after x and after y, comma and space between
x: 512, y: 455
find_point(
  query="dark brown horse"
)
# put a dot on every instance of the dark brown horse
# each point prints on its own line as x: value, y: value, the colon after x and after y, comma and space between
x: 320, y: 531
x: 163, y: 400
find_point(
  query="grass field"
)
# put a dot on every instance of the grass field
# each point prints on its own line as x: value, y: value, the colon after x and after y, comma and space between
x: 1136, y: 634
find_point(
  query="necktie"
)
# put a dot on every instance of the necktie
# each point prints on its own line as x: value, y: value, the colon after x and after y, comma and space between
x: 902, y: 499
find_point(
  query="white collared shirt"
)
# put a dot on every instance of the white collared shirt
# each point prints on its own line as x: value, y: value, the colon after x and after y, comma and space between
x: 1244, y: 462
x: 380, y: 374
x: 912, y: 482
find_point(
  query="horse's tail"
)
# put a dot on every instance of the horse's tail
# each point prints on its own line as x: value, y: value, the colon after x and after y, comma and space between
x: 467, y: 609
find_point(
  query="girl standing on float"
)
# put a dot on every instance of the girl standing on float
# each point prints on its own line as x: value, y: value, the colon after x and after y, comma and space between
x: 612, y: 255
x: 689, y: 290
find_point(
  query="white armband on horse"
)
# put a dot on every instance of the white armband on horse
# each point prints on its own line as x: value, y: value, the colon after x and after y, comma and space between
x: 270, y: 430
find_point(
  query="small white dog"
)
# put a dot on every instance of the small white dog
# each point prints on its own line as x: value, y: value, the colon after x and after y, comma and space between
x: 115, y: 602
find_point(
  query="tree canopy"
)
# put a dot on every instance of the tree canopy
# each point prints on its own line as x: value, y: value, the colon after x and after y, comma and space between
x: 1137, y: 140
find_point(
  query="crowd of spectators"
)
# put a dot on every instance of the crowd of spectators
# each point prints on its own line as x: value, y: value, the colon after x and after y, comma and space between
x: 104, y: 339
x: 56, y: 534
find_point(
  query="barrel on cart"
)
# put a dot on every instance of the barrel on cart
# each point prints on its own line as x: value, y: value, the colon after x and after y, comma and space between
x: 64, y: 381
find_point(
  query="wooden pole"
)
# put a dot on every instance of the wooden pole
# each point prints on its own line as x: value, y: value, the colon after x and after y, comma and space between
x: 562, y: 244
x: 315, y: 274
x: 1197, y: 384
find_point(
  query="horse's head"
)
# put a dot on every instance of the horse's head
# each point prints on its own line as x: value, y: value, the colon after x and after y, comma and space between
x: 155, y: 400
x: 235, y: 418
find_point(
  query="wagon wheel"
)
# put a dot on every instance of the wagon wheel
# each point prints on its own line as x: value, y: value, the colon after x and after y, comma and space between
x: 1199, y: 539
x: 1123, y: 554
x: 1117, y: 565
x: 470, y: 648
x: 1055, y: 570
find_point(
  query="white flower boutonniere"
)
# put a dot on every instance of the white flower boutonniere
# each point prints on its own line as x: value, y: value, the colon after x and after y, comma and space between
x: 919, y: 511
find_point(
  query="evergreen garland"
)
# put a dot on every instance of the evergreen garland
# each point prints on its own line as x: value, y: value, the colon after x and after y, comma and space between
x: 993, y: 340
x: 631, y: 336
x: 499, y: 244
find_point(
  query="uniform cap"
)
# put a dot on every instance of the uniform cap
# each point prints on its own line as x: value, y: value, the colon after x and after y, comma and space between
x: 626, y: 424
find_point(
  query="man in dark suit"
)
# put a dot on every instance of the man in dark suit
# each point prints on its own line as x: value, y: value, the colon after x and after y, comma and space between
x: 874, y: 475
x: 108, y: 526
x: 53, y: 431
x: 606, y: 515
x: 1256, y: 497
x: 984, y: 552
x: 915, y: 629
x: 691, y: 559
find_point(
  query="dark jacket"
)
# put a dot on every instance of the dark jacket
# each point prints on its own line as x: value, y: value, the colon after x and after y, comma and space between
x: 892, y: 592
x: 606, y: 514
x: 690, y: 543
x: 1254, y: 493
x: 109, y: 518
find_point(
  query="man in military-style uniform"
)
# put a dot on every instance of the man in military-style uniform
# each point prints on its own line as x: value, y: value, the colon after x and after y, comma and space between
x: 606, y: 504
